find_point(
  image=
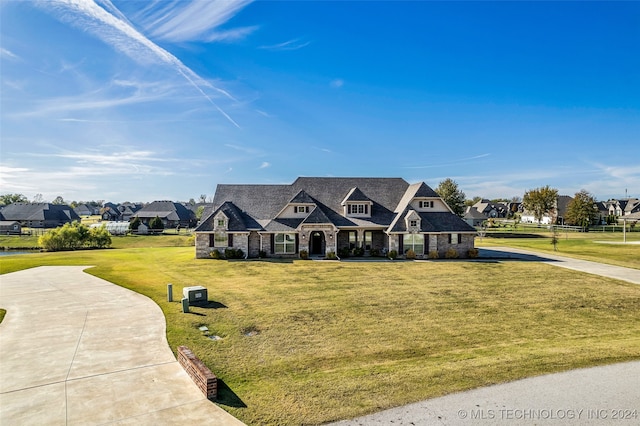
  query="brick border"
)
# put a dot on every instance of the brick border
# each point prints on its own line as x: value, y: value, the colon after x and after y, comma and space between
x: 206, y: 381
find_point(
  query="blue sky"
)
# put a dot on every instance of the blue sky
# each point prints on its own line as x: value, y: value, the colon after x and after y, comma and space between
x: 143, y: 100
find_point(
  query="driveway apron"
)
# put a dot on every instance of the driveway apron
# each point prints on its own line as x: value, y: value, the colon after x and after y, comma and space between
x: 79, y: 350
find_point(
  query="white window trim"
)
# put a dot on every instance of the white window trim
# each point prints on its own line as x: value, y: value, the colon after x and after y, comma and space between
x: 284, y: 243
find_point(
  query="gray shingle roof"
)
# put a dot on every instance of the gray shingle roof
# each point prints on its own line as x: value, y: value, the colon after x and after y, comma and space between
x: 39, y: 212
x: 165, y: 210
x: 262, y: 203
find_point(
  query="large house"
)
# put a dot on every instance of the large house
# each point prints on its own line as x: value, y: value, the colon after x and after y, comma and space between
x: 330, y: 215
x: 39, y: 215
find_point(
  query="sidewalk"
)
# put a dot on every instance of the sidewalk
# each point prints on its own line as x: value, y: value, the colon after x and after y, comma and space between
x: 78, y: 350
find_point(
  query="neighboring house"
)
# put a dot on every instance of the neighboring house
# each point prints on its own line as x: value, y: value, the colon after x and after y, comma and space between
x: 473, y: 217
x: 39, y: 215
x: 85, y: 210
x: 10, y: 227
x: 556, y: 216
x: 118, y: 212
x: 330, y: 215
x: 484, y: 209
x: 603, y: 213
x: 623, y: 206
x: 172, y: 214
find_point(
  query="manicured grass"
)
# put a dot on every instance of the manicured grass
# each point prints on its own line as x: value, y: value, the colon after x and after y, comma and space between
x: 596, y: 246
x: 311, y: 342
x: 129, y: 241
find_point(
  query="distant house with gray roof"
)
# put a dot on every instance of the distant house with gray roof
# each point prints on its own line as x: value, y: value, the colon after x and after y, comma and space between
x: 39, y: 215
x: 172, y: 214
x: 323, y: 215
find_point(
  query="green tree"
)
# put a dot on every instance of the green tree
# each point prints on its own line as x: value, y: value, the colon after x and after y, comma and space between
x: 448, y: 190
x: 58, y: 200
x: 134, y: 224
x: 7, y: 199
x: 156, y: 223
x: 199, y: 212
x: 582, y: 210
x: 540, y: 201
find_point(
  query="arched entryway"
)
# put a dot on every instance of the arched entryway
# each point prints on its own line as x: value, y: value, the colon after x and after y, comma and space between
x: 317, y: 243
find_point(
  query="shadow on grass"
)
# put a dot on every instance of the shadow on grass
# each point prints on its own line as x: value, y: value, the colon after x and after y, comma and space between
x: 228, y: 397
x: 501, y: 255
x: 210, y: 304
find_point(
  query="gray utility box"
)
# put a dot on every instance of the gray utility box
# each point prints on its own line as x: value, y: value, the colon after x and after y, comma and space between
x: 195, y: 294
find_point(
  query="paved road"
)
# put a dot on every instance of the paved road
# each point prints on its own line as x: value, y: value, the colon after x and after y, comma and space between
x: 607, y: 395
x: 78, y: 350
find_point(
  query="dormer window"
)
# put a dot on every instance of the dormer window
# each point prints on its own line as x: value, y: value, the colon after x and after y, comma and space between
x: 413, y: 223
x: 425, y: 204
x: 301, y: 209
x: 220, y: 223
x: 358, y: 209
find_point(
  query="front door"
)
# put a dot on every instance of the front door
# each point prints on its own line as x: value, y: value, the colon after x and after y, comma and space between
x: 317, y: 243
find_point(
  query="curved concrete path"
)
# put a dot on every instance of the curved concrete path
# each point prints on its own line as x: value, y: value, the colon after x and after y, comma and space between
x: 604, y: 395
x: 79, y: 350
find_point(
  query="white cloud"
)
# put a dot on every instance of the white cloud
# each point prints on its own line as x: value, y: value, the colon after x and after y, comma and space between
x: 337, y: 83
x: 264, y: 165
x: 111, y: 28
x: 7, y: 54
x: 293, y: 44
x: 195, y: 20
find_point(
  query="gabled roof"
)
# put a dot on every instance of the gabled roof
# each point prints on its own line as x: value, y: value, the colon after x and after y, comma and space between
x: 416, y: 190
x: 39, y: 212
x: 302, y: 198
x: 238, y: 220
x: 355, y: 194
x: 165, y: 210
x: 317, y: 216
x: 436, y: 222
x: 390, y: 198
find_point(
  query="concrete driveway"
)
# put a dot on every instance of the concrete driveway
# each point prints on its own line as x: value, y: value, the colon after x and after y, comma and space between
x: 79, y: 350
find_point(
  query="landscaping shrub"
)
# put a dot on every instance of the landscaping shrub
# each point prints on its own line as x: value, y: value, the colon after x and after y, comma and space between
x: 332, y: 255
x: 231, y: 253
x: 374, y: 252
x: 393, y: 254
x: 304, y: 254
x: 451, y: 254
x: 73, y: 236
x: 343, y: 252
x: 473, y: 253
x: 433, y: 254
x: 358, y: 251
x: 215, y: 254
x: 410, y: 254
x: 262, y: 254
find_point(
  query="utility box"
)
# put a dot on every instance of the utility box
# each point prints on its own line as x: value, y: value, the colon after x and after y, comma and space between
x: 196, y: 294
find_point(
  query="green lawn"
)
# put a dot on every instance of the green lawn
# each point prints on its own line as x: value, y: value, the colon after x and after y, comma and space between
x: 602, y: 247
x: 310, y: 342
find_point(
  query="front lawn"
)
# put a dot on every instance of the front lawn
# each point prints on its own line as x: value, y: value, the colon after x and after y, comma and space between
x: 311, y: 342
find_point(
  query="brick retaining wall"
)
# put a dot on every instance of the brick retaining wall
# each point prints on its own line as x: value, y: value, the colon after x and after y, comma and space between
x: 201, y: 375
